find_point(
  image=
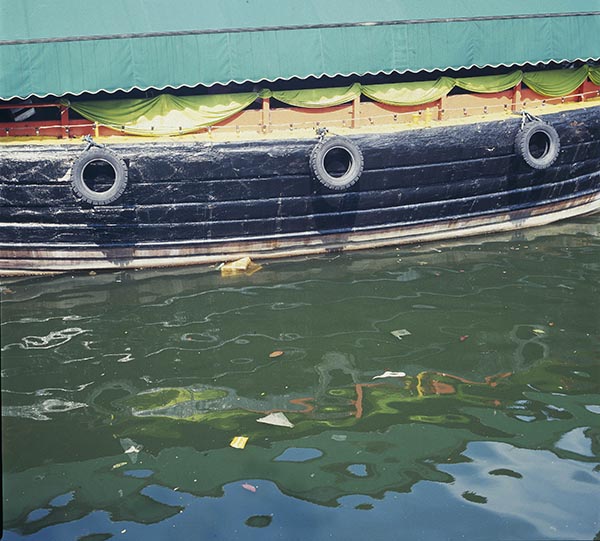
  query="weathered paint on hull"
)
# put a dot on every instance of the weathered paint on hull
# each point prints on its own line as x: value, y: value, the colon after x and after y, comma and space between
x: 200, y: 203
x: 27, y: 262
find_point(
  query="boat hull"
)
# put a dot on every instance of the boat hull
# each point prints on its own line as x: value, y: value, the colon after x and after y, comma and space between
x: 196, y: 203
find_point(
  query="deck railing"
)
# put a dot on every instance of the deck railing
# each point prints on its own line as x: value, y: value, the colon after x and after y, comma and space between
x: 356, y: 114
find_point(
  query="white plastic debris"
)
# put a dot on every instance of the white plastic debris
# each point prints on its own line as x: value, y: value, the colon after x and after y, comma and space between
x: 400, y: 333
x: 276, y: 419
x: 388, y: 374
x: 131, y: 448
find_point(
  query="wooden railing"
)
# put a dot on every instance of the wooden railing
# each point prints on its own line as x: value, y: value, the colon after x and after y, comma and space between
x: 356, y: 114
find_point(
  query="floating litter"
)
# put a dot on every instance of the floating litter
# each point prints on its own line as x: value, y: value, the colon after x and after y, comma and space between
x: 276, y: 419
x: 388, y: 374
x: 131, y: 448
x: 243, y: 265
x: 239, y: 442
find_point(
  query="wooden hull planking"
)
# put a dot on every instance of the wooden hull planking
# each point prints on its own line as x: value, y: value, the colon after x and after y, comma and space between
x: 197, y: 203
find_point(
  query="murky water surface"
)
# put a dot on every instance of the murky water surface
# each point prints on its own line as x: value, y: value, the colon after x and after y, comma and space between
x: 121, y: 395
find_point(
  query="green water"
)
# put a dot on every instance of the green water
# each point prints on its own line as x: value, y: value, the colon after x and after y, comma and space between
x: 121, y: 393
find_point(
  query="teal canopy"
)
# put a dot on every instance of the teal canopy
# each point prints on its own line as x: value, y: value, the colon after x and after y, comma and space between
x: 70, y: 47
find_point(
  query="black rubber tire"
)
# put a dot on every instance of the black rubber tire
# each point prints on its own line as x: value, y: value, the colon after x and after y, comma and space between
x: 119, y: 183
x: 352, y: 153
x: 538, y: 144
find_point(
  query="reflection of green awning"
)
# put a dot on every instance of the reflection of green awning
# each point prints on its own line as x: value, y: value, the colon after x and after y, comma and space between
x: 70, y: 47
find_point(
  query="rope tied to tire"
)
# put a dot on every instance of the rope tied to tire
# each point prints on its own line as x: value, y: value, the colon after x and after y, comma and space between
x: 99, y: 175
x: 537, y: 142
x: 337, y: 162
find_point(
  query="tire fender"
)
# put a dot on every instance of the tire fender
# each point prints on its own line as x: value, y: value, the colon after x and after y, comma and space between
x: 86, y: 166
x: 538, y: 144
x: 337, y: 163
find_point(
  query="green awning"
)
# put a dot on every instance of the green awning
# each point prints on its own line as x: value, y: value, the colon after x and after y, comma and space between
x: 65, y: 47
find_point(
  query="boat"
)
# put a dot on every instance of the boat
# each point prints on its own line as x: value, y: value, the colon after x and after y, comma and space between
x: 196, y: 135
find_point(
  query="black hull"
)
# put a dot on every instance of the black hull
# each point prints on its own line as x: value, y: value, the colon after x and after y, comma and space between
x: 192, y: 202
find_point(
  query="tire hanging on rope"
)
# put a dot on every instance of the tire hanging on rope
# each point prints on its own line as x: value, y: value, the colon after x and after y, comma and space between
x: 99, y: 176
x: 537, y: 142
x: 337, y: 163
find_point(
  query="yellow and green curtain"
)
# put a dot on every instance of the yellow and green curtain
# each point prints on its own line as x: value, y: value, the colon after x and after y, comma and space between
x: 405, y: 94
x: 172, y: 115
x: 556, y: 83
x: 164, y: 114
x: 315, y: 97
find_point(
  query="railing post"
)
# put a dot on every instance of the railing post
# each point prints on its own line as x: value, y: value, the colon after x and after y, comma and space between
x: 516, y: 97
x: 356, y: 112
x: 266, y: 115
x: 581, y: 92
x: 64, y: 120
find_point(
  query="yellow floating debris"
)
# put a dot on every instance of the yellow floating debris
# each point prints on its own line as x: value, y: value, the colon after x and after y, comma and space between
x: 244, y: 265
x: 239, y: 442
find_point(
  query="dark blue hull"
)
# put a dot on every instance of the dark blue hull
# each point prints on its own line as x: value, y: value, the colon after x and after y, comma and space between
x: 190, y: 202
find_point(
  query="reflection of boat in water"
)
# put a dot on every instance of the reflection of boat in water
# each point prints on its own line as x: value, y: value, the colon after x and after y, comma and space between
x: 326, y: 404
x: 425, y: 397
x: 407, y: 430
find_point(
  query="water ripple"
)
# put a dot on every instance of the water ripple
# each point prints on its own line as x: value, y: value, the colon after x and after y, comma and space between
x: 38, y: 412
x: 49, y: 341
